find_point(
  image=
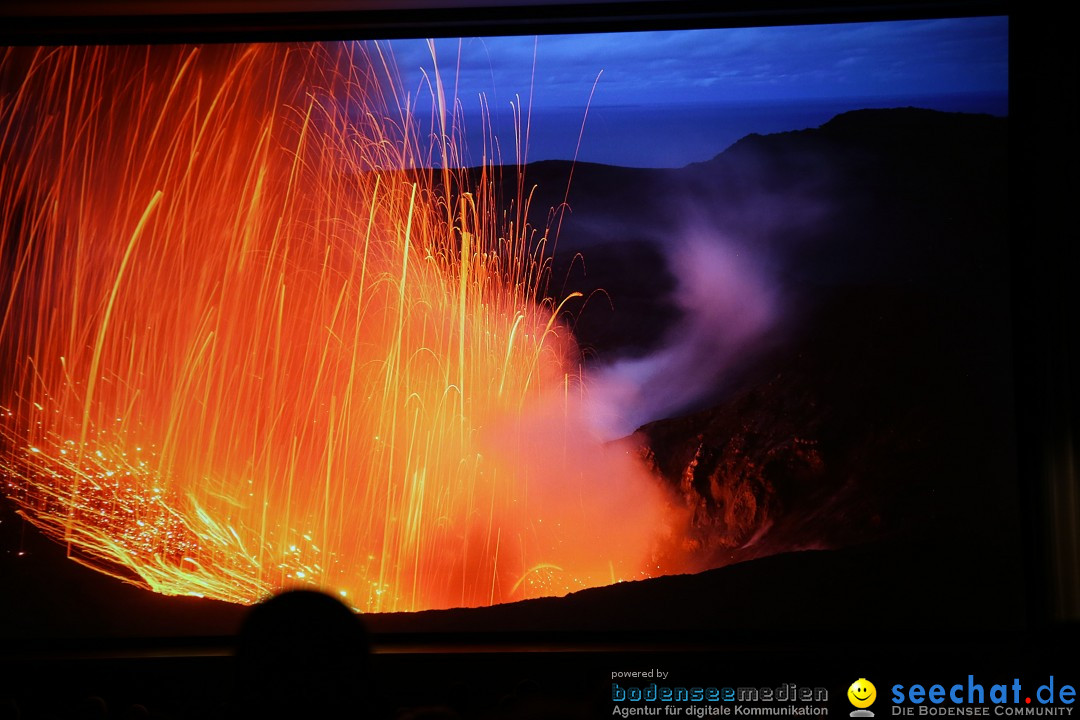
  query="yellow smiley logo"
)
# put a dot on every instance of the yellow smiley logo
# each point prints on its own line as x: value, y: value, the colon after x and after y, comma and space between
x: 862, y: 693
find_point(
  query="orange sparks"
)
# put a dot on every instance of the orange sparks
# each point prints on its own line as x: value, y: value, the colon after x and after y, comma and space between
x: 247, y: 344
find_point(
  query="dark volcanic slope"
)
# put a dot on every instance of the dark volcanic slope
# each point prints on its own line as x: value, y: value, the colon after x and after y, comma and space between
x: 877, y: 423
x: 882, y: 588
x: 885, y: 407
x: 48, y: 597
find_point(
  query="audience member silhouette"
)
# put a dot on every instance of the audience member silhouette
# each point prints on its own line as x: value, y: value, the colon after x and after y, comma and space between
x: 302, y: 654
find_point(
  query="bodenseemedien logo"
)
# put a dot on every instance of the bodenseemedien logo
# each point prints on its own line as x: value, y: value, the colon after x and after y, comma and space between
x: 862, y: 694
x: 673, y: 699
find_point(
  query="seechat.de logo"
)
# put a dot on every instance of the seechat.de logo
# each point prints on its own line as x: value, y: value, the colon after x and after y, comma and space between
x: 970, y: 698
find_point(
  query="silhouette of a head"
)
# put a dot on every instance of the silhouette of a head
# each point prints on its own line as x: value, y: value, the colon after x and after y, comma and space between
x: 302, y: 654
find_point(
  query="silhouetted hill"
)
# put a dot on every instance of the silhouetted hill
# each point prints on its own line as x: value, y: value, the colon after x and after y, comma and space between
x: 901, y: 196
x: 799, y: 596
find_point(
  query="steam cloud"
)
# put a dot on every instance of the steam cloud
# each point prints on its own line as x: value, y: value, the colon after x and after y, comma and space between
x: 728, y: 303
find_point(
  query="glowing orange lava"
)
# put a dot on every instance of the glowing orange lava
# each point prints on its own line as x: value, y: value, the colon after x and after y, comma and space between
x: 245, y: 346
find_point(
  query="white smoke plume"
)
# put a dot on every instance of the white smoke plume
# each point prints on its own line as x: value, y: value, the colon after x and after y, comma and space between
x: 728, y: 304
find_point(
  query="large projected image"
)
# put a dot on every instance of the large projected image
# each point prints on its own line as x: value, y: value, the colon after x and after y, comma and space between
x: 440, y: 324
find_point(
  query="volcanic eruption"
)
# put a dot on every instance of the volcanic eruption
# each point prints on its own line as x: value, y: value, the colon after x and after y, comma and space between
x: 258, y: 332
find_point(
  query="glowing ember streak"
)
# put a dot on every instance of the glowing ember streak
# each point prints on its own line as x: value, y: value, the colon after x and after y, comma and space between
x: 246, y: 346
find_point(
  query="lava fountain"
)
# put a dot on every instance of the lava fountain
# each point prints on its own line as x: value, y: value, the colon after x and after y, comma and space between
x: 248, y: 341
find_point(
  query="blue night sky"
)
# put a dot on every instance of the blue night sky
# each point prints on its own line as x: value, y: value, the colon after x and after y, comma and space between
x: 673, y: 97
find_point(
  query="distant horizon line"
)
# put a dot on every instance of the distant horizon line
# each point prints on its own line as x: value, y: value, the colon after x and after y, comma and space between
x: 541, y: 152
x: 905, y: 99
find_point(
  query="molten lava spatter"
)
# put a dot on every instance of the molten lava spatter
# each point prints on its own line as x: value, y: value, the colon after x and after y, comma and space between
x: 246, y: 345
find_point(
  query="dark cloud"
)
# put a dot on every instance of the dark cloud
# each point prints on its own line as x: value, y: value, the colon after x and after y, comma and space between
x: 726, y: 65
